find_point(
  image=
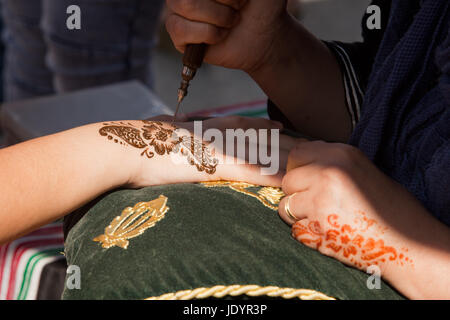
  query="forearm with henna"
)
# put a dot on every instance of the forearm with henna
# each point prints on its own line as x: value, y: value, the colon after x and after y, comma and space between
x: 344, y: 206
x: 158, y: 138
x: 418, y: 269
x: 46, y: 178
x: 358, y: 243
x: 410, y: 247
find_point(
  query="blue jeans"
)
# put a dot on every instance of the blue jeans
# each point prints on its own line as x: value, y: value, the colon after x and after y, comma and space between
x: 44, y: 57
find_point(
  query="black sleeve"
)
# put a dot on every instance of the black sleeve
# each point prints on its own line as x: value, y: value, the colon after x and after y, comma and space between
x: 356, y: 61
x: 362, y: 54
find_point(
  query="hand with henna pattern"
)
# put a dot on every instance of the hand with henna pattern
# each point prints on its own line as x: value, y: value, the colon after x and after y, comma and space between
x: 178, y: 156
x: 342, y: 205
x: 59, y: 173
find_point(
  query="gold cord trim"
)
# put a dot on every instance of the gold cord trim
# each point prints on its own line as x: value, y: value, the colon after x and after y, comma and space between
x: 268, y: 196
x: 133, y: 222
x: 249, y: 290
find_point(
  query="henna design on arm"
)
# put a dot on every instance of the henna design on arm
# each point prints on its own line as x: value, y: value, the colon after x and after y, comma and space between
x: 351, y: 244
x: 160, y: 138
x: 128, y: 134
x: 198, y: 154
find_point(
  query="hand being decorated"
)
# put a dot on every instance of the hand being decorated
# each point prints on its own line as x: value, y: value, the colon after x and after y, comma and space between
x: 342, y: 205
x: 178, y: 152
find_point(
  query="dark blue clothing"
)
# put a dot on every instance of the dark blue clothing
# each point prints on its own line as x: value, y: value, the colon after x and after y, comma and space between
x: 405, y: 119
x: 404, y: 126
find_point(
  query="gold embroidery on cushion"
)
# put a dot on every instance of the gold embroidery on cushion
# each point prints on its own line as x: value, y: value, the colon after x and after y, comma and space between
x: 250, y: 290
x: 133, y: 222
x: 268, y: 196
x: 273, y: 195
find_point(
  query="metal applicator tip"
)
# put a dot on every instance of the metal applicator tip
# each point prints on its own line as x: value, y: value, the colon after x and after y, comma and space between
x: 181, y: 95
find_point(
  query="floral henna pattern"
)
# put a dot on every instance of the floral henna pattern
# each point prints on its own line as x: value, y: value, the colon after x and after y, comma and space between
x: 309, y: 234
x: 351, y: 243
x: 130, y: 135
x: 162, y: 139
x: 198, y: 154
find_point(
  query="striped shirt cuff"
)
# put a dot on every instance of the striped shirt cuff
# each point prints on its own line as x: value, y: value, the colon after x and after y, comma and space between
x: 353, y: 93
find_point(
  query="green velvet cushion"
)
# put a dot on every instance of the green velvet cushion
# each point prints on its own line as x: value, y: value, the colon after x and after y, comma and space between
x: 209, y: 236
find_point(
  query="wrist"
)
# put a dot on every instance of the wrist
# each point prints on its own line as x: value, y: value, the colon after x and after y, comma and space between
x: 425, y: 276
x: 120, y: 163
x: 282, y: 50
x: 154, y: 155
x: 127, y: 168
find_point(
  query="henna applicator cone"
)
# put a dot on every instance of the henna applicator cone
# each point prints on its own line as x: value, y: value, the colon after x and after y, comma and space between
x: 192, y: 60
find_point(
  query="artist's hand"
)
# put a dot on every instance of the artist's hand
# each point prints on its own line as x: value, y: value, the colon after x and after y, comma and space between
x: 345, y: 207
x: 163, y: 159
x: 241, y: 33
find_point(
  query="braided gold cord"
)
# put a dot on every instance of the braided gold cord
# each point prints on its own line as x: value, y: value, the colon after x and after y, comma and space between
x: 269, y: 197
x: 249, y: 290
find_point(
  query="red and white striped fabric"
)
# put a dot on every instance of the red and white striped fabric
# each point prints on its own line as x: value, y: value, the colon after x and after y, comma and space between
x: 22, y: 261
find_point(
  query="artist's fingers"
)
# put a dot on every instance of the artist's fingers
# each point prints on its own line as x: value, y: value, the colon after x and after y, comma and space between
x: 303, y: 153
x: 183, y: 32
x: 288, y: 142
x: 269, y: 137
x: 219, y: 14
x: 246, y: 123
x: 267, y: 145
x: 264, y: 137
x: 328, y: 155
x: 274, y: 156
x: 181, y: 117
x: 235, y: 4
x: 250, y: 173
x: 212, y: 127
x: 252, y: 153
x: 239, y: 122
x: 301, y: 179
x: 294, y: 207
